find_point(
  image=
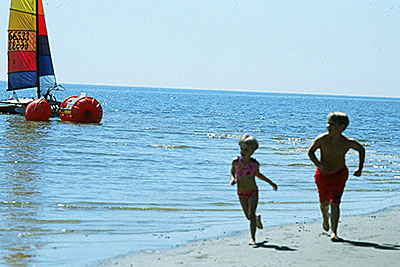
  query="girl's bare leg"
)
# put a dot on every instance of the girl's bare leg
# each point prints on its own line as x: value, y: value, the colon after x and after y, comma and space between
x: 253, y: 202
x: 245, y: 206
x: 259, y: 223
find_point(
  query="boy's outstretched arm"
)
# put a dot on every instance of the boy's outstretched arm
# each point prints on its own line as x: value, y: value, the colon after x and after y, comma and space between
x: 361, y: 155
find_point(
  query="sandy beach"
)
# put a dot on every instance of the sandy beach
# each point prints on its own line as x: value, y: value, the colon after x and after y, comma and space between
x: 369, y: 240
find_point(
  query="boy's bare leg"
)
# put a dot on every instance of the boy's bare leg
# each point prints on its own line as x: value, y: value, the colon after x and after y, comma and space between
x: 335, y: 213
x: 325, y: 215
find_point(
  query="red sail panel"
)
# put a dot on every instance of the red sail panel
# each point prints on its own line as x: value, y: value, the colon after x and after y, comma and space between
x: 42, y: 24
x: 21, y: 61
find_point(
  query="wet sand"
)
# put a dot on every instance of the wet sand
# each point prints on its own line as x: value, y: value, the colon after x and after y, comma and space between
x: 368, y: 240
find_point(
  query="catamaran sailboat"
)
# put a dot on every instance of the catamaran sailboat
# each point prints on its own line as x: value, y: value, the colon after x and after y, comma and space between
x: 30, y: 66
x: 29, y: 58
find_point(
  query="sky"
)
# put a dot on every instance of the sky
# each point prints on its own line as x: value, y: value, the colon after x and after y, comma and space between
x: 319, y: 47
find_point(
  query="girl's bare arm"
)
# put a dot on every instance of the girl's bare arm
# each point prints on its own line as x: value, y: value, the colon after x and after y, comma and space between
x: 266, y: 179
x: 233, y: 174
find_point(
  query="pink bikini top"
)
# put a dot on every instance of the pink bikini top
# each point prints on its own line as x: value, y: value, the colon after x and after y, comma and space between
x: 246, y: 169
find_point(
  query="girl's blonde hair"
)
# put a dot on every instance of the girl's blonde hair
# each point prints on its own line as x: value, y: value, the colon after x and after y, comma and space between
x: 249, y: 140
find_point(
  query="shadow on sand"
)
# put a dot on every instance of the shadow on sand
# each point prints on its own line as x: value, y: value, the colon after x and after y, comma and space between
x: 394, y: 247
x: 369, y: 244
x: 281, y: 248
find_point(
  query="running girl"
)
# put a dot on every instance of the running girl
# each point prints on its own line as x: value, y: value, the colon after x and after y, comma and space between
x: 243, y: 172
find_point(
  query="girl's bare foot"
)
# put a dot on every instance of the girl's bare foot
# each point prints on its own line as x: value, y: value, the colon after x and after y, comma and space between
x: 259, y: 224
x: 252, y: 242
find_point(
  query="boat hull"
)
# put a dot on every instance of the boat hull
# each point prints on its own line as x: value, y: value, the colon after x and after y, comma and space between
x: 14, y: 106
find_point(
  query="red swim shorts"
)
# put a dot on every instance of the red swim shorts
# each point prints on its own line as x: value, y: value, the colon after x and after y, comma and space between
x: 331, y: 185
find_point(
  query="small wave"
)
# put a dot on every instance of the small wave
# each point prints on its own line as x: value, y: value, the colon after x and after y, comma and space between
x: 383, y: 155
x: 296, y: 140
x: 172, y: 146
x: 222, y: 136
x: 221, y: 204
x: 301, y: 164
x: 52, y: 232
x: 372, y: 190
x: 105, y: 207
x: 53, y: 221
x: 291, y: 202
x: 18, y: 204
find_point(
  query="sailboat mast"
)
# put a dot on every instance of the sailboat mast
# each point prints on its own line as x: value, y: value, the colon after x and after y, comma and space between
x: 37, y: 49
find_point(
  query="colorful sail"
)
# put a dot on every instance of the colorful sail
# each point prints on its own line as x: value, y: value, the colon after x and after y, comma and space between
x: 29, y: 59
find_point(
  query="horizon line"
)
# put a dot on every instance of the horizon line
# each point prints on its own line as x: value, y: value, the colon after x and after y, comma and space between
x: 228, y: 90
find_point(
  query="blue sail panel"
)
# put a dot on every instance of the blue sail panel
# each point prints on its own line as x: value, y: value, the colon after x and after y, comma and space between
x: 21, y: 80
x: 46, y: 66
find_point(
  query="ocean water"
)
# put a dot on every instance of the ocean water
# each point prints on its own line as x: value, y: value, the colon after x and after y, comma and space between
x: 155, y: 173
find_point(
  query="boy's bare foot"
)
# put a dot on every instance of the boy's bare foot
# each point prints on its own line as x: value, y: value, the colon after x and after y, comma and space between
x: 252, y: 242
x: 259, y: 224
x: 335, y: 238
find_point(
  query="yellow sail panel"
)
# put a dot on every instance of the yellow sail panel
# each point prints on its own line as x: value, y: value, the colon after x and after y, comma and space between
x: 28, y: 6
x: 21, y: 21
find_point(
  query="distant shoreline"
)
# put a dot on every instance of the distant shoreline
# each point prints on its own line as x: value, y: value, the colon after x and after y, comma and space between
x: 368, y: 240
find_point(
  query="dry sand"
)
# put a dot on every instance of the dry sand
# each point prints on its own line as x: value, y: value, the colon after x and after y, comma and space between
x: 370, y: 240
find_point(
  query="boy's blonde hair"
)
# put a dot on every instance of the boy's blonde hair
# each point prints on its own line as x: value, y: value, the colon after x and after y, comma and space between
x: 249, y: 140
x: 339, y: 117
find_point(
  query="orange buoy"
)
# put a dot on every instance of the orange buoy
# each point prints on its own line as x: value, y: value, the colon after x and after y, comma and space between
x: 87, y: 109
x: 38, y: 110
x: 81, y: 109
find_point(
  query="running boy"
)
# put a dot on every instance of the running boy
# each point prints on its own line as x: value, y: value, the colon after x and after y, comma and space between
x: 332, y: 173
x: 245, y: 169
